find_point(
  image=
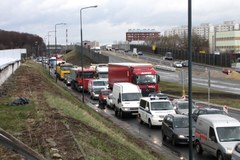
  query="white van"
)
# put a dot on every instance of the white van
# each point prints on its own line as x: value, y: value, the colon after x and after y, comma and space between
x: 217, y: 134
x: 125, y: 98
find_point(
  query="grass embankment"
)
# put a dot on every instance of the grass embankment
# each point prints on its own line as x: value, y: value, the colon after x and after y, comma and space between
x: 99, y: 137
x: 201, y: 94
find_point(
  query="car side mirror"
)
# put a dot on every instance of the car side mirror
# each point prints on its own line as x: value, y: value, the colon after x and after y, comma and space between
x: 146, y: 108
x: 119, y: 101
x: 174, y: 107
x: 213, y: 138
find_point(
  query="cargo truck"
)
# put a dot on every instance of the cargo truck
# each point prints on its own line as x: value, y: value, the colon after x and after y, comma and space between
x: 63, y: 69
x: 80, y: 77
x: 141, y: 74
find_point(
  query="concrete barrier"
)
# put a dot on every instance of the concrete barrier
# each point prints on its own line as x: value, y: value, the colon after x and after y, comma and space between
x: 7, y: 70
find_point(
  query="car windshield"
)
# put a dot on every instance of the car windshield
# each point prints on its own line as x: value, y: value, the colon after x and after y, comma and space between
x: 215, y: 111
x: 146, y: 79
x: 182, y: 122
x: 184, y: 105
x: 66, y: 67
x: 103, y: 75
x: 161, y: 106
x: 226, y: 134
x: 131, y: 96
x: 99, y: 83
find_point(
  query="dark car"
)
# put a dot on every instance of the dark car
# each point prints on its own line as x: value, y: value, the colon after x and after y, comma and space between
x: 205, y: 110
x: 168, y: 56
x: 159, y: 95
x: 175, y: 127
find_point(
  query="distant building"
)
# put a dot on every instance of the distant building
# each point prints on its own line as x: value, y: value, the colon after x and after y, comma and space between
x: 209, y: 32
x: 228, y: 42
x: 141, y: 34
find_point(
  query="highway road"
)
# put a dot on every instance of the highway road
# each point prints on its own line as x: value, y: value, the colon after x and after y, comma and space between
x: 152, y: 136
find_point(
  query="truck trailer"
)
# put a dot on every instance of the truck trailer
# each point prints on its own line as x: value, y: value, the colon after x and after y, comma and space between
x: 141, y: 74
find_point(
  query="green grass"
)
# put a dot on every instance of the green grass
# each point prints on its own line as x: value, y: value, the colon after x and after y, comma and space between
x: 13, y: 118
x: 201, y: 94
x: 109, y: 140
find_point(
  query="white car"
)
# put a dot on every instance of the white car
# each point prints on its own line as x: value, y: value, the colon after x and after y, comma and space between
x: 177, y: 64
x: 152, y: 110
x: 236, y: 152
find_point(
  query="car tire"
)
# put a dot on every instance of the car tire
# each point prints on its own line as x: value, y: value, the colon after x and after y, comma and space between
x: 219, y: 156
x: 121, y: 115
x: 163, y: 137
x: 150, y: 123
x: 198, y: 148
x: 140, y: 119
x: 173, y: 141
x: 116, y: 113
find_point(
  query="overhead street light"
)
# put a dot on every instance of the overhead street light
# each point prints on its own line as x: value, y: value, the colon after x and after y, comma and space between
x: 56, y: 35
x: 82, y: 45
x: 48, y: 43
x: 56, y: 44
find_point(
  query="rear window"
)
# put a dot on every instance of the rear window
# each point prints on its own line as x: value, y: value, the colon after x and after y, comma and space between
x: 161, y: 106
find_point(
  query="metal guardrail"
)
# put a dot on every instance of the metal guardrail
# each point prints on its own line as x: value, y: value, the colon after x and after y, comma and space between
x: 13, y: 143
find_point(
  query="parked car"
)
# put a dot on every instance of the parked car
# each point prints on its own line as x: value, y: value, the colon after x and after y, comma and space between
x: 175, y: 127
x: 177, y: 64
x: 181, y: 106
x: 168, y: 56
x: 153, y: 110
x: 160, y: 95
x: 102, y: 100
x: 205, y: 110
x: 236, y: 152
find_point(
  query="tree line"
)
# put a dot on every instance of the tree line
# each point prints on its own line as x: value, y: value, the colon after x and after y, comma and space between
x: 13, y: 40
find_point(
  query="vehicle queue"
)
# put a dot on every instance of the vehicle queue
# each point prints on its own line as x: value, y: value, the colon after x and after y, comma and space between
x: 156, y: 109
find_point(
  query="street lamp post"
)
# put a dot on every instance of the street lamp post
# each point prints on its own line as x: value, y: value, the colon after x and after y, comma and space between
x: 56, y: 35
x: 48, y: 43
x: 56, y: 44
x: 82, y: 45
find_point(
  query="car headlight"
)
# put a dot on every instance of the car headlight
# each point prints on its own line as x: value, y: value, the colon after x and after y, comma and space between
x: 181, y: 136
x: 125, y: 109
x: 229, y: 150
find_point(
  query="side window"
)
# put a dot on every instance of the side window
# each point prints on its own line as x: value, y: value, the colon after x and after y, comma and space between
x: 201, y: 112
x: 142, y: 103
x: 212, y: 135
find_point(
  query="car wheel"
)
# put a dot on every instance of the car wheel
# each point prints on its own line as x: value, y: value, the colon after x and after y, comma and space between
x: 173, y: 141
x: 219, y: 155
x: 149, y: 123
x: 164, y: 137
x: 198, y: 148
x: 116, y: 113
x: 121, y: 114
x: 140, y: 119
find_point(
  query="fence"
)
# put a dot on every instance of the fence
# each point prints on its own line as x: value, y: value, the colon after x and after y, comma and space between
x: 223, y: 60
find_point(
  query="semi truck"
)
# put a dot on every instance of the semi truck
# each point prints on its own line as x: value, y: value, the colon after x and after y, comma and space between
x: 80, y: 77
x: 141, y: 74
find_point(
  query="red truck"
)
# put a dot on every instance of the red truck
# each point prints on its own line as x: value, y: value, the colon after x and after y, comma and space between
x: 141, y: 74
x: 80, y: 77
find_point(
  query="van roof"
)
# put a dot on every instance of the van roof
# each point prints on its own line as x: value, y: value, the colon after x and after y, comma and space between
x: 128, y: 87
x: 219, y: 120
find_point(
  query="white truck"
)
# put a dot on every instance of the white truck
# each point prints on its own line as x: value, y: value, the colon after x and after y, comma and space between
x: 125, y: 98
x: 102, y: 71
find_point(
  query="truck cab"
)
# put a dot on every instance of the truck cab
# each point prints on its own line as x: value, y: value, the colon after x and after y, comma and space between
x: 62, y: 69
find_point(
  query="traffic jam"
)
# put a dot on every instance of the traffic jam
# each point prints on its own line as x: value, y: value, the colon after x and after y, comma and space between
x: 131, y: 89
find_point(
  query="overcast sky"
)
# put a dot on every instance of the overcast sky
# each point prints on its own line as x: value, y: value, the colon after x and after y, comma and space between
x: 110, y: 21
